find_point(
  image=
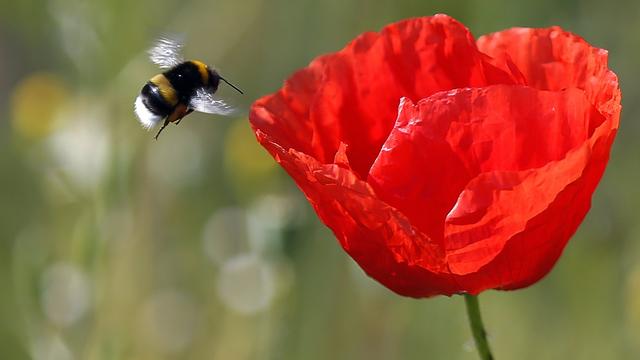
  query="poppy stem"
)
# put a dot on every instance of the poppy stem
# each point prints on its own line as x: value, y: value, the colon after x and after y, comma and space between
x: 477, y: 328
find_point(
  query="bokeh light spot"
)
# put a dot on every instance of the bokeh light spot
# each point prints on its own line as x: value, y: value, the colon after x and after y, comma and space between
x: 66, y: 293
x: 50, y: 348
x: 82, y: 148
x: 246, y: 284
x: 169, y: 320
x: 225, y: 234
x: 267, y: 217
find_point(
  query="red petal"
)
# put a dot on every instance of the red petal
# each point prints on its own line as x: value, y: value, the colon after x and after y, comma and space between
x: 351, y: 96
x: 530, y: 254
x: 377, y: 236
x: 554, y: 59
x: 472, y: 138
x: 477, y: 187
x: 285, y: 115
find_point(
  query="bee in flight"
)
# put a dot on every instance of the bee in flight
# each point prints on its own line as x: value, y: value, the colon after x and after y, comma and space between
x: 184, y: 87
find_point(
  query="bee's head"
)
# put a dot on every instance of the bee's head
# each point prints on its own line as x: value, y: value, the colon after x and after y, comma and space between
x: 214, y: 79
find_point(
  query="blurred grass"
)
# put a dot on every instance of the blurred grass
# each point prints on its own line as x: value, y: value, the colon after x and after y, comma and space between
x: 115, y: 246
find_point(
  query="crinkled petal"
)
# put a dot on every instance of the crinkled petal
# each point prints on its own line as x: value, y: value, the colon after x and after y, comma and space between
x: 555, y: 59
x: 377, y: 236
x: 351, y: 96
x: 478, y: 186
x: 483, y: 138
x: 530, y: 254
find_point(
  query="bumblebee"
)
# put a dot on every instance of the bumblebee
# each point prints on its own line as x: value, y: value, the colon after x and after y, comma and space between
x: 185, y: 86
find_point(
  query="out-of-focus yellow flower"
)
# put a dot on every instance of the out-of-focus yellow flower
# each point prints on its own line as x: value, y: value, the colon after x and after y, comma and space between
x: 244, y: 158
x: 35, y: 102
x: 633, y: 300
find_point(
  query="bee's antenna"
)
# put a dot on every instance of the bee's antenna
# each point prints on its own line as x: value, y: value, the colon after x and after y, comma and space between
x: 230, y: 84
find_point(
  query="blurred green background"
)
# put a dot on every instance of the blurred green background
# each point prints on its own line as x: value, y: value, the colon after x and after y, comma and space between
x: 115, y: 246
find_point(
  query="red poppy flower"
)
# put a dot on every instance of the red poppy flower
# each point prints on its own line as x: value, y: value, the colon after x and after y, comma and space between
x: 445, y: 164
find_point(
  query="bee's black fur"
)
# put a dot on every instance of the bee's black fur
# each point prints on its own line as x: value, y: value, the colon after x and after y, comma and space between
x: 153, y: 100
x: 185, y: 79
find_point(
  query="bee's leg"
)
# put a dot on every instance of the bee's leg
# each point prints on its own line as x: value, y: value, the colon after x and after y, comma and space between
x: 178, y: 113
x: 166, y: 122
x: 187, y: 113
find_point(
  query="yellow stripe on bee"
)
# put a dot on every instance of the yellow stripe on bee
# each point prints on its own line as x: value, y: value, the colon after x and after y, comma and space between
x: 203, y: 69
x: 166, y: 90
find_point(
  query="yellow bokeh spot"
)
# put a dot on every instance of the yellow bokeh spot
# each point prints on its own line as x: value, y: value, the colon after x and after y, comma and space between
x: 633, y: 299
x: 35, y: 102
x: 244, y: 157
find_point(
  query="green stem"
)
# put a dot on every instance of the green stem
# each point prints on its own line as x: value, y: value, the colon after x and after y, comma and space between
x: 477, y: 328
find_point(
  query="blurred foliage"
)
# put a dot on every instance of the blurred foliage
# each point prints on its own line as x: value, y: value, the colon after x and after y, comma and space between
x: 115, y: 246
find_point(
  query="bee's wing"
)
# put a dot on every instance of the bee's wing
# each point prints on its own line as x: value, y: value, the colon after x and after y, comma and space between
x: 204, y: 101
x: 166, y: 53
